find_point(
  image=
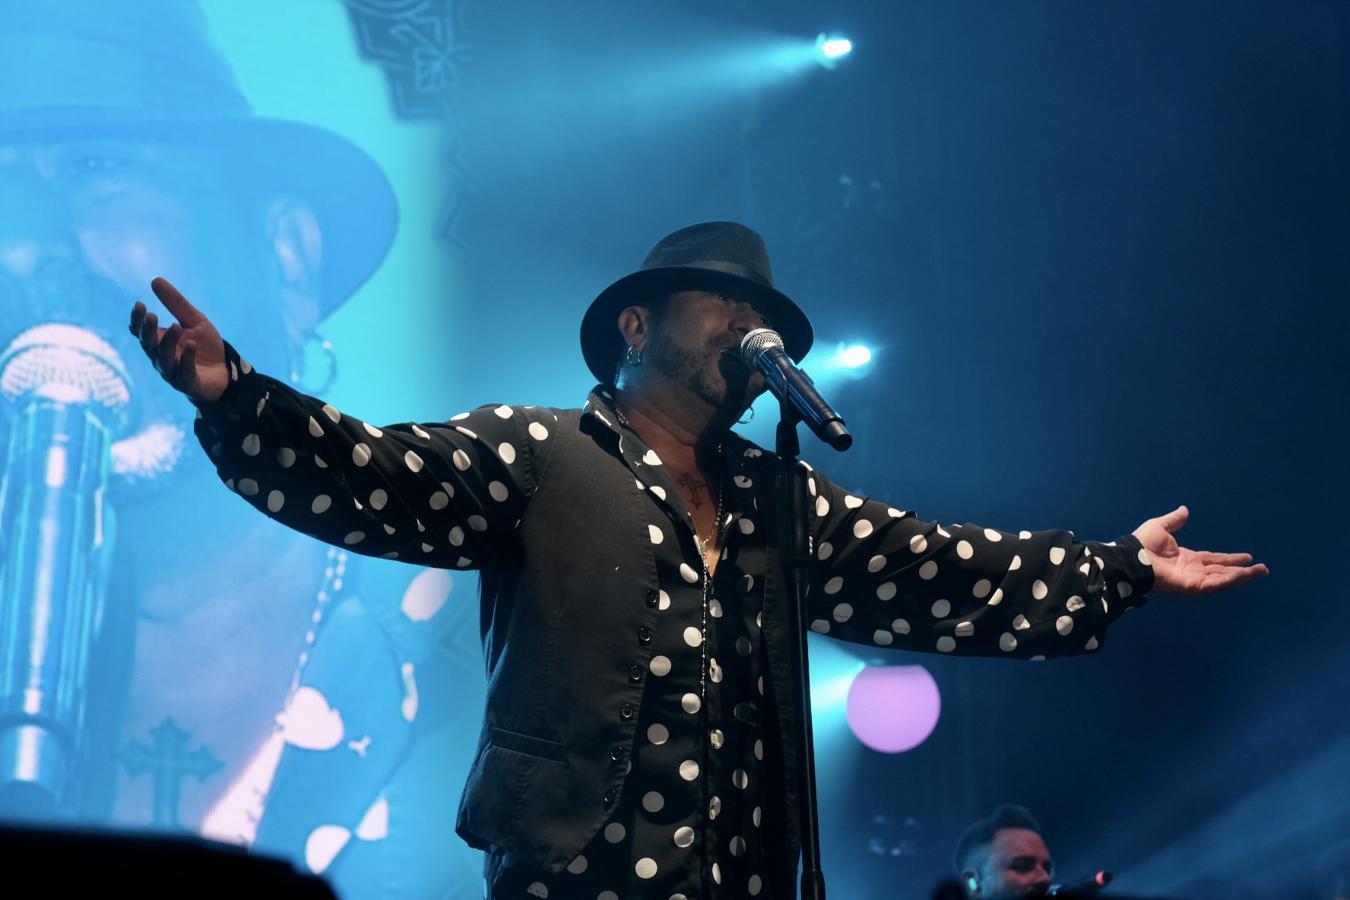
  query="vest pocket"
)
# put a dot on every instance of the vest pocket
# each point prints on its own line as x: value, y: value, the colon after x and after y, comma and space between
x: 526, y: 744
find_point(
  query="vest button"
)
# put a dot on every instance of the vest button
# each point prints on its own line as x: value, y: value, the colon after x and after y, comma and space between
x: 635, y: 673
x: 626, y: 711
x: 644, y: 635
x: 616, y: 753
x: 610, y: 796
x: 653, y: 597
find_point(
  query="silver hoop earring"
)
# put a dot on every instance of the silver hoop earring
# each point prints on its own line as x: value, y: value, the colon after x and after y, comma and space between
x: 316, y: 350
x: 748, y: 419
x: 632, y: 357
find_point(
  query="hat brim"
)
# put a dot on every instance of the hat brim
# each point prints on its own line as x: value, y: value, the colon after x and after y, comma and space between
x: 602, y: 345
x: 343, y: 186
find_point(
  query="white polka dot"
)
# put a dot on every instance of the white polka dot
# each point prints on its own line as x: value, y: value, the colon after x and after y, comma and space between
x: 684, y: 836
x: 1074, y: 603
x: 248, y: 487
x: 606, y: 895
x: 876, y: 564
x: 286, y: 457
x: 740, y: 779
x: 660, y: 666
x: 654, y: 532
x: 503, y: 412
x: 321, y: 504
x: 1038, y: 589
x: 652, y: 801
x: 427, y: 548
x: 412, y: 461
x: 715, y: 608
x: 1124, y: 589
x: 746, y: 526
x: 714, y: 671
x: 658, y: 734
x: 883, y: 638
x: 964, y: 549
x: 824, y: 550
x: 477, y: 523
x: 323, y: 845
x: 981, y: 588
x: 578, y: 865
x: 275, y: 500
x: 456, y: 536
x: 497, y: 491
x: 1007, y: 642
x: 645, y: 868
x: 438, y: 500
x: 507, y: 452
x: 714, y: 806
x: 372, y: 430
x: 756, y: 816
x: 941, y: 608
x: 690, y: 703
x: 1056, y: 555
x: 614, y: 832
x: 378, y: 498
x: 688, y: 574
x: 834, y: 585
x: 315, y: 428
x: 737, y: 846
x: 928, y: 570
x: 900, y: 626
x: 996, y: 598
x: 538, y: 431
x: 693, y: 636
x: 993, y: 535
x: 1024, y: 534
x: 942, y: 531
x: 651, y: 459
x: 659, y: 491
x: 716, y: 873
x: 822, y: 507
x: 689, y: 770
x: 820, y: 626
x: 1021, y: 623
x: 421, y: 432
x: 843, y: 612
x: 965, y: 629
x: 663, y: 600
x: 1144, y: 557
x: 1064, y: 624
x: 759, y: 750
x: 716, y: 738
x: 361, y: 454
x: 918, y: 543
x: 537, y: 889
x: 1092, y: 644
x: 251, y: 445
x: 852, y: 502
x: 1015, y: 564
x: 886, y: 590
x: 946, y: 644
x: 460, y: 460
x: 742, y: 481
x: 318, y: 461
x: 354, y: 537
x: 754, y: 885
x: 862, y: 528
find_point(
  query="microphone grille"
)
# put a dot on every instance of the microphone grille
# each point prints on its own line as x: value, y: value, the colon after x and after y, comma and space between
x: 67, y: 364
x: 756, y: 342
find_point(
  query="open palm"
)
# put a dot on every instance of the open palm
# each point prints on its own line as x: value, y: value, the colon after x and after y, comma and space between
x: 1179, y: 570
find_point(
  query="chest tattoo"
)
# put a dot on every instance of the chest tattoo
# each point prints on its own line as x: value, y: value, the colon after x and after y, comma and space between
x: 693, y: 489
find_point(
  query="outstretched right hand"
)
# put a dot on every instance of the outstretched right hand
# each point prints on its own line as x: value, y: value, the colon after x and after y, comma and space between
x: 189, y: 354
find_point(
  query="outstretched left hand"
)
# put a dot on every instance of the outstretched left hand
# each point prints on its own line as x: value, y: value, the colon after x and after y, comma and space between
x: 1177, y: 570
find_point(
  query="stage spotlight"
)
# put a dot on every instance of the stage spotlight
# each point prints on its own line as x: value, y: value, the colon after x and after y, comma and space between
x: 832, y: 48
x: 853, y: 356
x: 893, y: 708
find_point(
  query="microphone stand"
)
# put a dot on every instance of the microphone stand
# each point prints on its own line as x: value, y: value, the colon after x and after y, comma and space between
x: 796, y: 550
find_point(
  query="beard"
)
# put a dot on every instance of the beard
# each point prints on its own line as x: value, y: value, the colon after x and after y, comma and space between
x: 715, y: 374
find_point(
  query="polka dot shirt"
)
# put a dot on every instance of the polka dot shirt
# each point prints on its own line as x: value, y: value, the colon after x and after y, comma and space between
x: 699, y: 815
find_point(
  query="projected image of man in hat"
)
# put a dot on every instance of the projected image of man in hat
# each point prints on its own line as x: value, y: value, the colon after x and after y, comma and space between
x: 138, y: 153
x: 639, y: 731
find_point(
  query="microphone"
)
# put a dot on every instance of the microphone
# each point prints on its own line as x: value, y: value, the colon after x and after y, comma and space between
x: 762, y: 350
x: 1084, y: 887
x: 65, y: 396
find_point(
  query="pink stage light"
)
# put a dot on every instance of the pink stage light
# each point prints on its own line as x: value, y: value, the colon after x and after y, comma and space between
x: 893, y: 708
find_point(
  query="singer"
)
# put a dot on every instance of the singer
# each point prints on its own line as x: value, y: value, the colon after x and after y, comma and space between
x: 639, y: 726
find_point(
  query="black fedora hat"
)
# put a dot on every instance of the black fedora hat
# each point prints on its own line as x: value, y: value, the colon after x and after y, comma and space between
x: 720, y: 257
x: 80, y: 69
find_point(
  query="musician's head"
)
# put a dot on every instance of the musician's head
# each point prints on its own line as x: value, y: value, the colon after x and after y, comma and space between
x: 1004, y: 855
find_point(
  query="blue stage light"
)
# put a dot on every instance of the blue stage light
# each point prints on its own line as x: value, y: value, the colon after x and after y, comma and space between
x: 832, y: 48
x: 854, y: 356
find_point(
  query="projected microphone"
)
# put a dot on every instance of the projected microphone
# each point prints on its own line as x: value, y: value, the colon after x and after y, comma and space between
x: 1084, y: 887
x: 762, y: 350
x: 65, y: 395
